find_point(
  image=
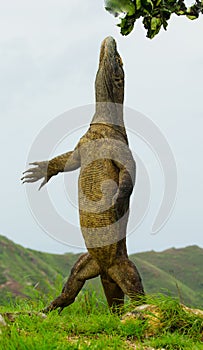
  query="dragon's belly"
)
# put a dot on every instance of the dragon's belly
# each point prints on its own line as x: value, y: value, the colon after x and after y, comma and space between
x: 98, y: 183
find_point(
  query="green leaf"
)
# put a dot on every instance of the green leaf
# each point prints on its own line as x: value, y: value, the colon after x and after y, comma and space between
x: 138, y: 4
x: 192, y: 17
x: 180, y: 12
x: 164, y: 23
x: 153, y: 26
x: 155, y: 23
x: 166, y: 14
x: 116, y: 7
x: 148, y: 5
x: 126, y: 25
x: 158, y: 3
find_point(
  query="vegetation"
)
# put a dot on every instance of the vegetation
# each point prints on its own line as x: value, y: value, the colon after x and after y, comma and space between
x: 155, y: 14
x: 88, y: 324
x: 30, y: 274
x: 35, y: 278
x: 176, y: 272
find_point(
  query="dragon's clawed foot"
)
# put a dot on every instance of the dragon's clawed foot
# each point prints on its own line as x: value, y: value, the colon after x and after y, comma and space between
x: 36, y: 173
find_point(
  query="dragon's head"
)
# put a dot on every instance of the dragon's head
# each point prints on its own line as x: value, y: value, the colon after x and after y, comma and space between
x: 109, y: 84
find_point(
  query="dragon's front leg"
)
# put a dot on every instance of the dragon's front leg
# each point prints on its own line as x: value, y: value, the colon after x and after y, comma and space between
x: 46, y: 169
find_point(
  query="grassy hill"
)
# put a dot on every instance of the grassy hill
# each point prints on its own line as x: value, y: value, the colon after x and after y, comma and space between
x: 31, y: 274
x: 176, y: 270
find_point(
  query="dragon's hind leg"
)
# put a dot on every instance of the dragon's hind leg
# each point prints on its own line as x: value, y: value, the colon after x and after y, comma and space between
x: 113, y: 293
x: 125, y: 274
x: 85, y: 268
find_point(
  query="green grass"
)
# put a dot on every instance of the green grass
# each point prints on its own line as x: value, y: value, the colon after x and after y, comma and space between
x: 88, y: 324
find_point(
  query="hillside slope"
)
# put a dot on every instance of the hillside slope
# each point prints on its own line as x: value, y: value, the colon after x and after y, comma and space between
x: 23, y: 271
x: 28, y: 273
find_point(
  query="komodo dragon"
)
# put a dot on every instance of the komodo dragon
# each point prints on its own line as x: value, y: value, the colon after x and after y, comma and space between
x: 106, y: 182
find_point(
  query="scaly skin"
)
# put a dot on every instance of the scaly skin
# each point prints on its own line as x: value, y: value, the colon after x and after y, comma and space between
x: 106, y: 182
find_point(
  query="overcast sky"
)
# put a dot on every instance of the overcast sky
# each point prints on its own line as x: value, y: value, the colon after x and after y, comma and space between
x: 48, y: 60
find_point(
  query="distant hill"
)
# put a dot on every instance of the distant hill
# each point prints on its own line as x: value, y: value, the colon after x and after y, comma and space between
x: 30, y: 274
x: 178, y: 271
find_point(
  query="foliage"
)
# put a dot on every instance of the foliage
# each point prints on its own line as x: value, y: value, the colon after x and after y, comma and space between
x: 155, y: 14
x: 82, y: 327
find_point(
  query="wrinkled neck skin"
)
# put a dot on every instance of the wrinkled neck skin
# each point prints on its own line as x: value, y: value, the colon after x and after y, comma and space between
x: 109, y: 87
